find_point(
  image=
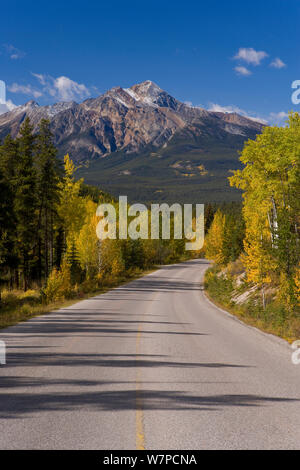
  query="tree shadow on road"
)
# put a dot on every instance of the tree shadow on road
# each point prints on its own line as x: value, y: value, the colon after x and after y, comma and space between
x: 67, y: 359
x: 20, y: 405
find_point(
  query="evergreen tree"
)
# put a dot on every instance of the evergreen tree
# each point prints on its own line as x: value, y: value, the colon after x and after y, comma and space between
x: 9, y: 159
x: 26, y: 201
x: 233, y: 236
x: 49, y: 172
x: 8, y: 242
x: 73, y: 259
x: 209, y: 213
x: 6, y: 227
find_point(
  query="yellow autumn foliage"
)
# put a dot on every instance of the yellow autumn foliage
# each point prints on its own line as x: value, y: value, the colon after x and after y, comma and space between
x: 215, y: 238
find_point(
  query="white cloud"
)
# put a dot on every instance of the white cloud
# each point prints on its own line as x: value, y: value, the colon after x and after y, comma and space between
x: 8, y: 106
x: 277, y: 63
x: 62, y: 88
x: 40, y: 77
x: 14, y: 52
x: 278, y: 119
x: 69, y: 90
x: 250, y: 55
x: 224, y: 109
x: 24, y: 90
x: 217, y: 108
x: 95, y: 89
x: 240, y: 70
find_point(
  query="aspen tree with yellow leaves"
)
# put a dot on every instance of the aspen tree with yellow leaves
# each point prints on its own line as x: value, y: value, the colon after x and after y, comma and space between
x: 215, y: 239
x: 271, y: 205
x: 87, y: 242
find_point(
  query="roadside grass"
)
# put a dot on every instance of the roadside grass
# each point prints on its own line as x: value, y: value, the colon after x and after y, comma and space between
x: 19, y: 306
x: 274, y: 319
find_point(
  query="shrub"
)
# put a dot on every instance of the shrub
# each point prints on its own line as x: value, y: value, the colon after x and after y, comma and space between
x: 59, y: 284
x: 218, y: 286
x: 297, y: 285
x: 287, y: 292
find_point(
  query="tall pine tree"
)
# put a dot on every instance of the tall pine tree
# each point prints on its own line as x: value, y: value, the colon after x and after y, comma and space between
x: 8, y: 241
x: 49, y: 173
x: 26, y: 202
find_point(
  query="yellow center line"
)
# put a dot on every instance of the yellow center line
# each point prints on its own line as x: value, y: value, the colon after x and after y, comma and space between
x: 140, y: 434
x: 140, y: 429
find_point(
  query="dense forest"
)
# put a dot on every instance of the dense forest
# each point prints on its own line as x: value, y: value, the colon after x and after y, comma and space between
x: 48, y: 242
x: 257, y: 251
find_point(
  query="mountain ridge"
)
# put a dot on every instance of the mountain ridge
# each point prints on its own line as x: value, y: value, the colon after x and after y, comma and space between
x: 141, y: 138
x: 120, y: 119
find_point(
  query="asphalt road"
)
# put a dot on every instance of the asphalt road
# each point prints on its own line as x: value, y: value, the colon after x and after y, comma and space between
x: 152, y: 364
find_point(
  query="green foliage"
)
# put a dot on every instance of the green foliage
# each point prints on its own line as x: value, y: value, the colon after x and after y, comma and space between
x: 275, y: 318
x: 30, y: 173
x: 48, y: 177
x: 234, y: 232
x: 219, y: 286
x: 26, y: 201
x: 6, y: 224
x: 95, y: 194
x: 153, y: 177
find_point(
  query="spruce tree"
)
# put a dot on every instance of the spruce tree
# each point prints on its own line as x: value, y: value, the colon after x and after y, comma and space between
x: 8, y: 241
x: 9, y: 159
x: 26, y: 201
x: 49, y: 172
x: 208, y: 216
x: 6, y: 229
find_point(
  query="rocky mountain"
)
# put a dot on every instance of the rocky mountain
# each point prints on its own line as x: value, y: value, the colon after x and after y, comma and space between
x: 143, y: 132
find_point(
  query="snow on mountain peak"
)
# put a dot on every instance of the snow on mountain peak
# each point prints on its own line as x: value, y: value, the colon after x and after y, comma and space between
x: 145, y: 92
x: 31, y: 104
x: 147, y: 88
x: 59, y: 107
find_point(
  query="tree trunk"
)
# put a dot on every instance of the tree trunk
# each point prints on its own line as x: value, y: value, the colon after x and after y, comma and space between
x: 46, y: 247
x: 263, y: 297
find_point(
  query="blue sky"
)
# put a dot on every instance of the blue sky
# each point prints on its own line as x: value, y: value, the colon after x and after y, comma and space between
x: 216, y: 54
